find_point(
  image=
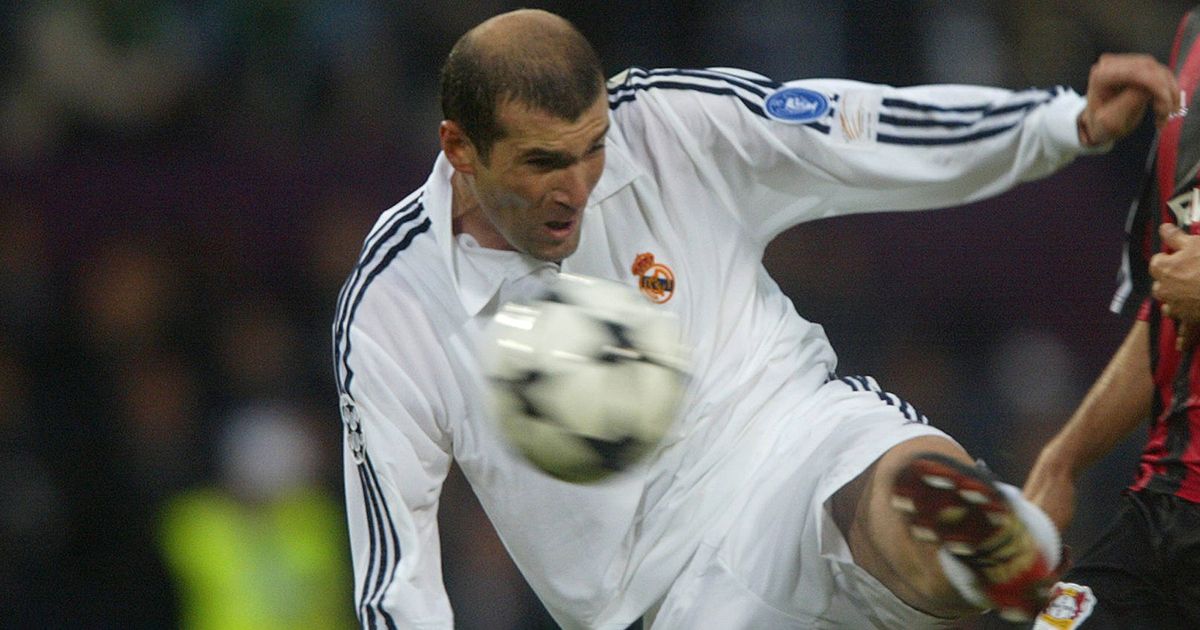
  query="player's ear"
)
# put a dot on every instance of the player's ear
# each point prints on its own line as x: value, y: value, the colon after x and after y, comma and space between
x: 457, y: 147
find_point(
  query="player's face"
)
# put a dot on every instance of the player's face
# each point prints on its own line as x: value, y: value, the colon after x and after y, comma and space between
x: 535, y: 183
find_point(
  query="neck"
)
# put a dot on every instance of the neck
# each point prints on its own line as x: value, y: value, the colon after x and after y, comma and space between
x: 468, y: 217
x: 462, y: 201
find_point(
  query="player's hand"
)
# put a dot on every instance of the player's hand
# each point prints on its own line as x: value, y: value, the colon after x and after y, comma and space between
x: 1119, y: 88
x: 1051, y: 488
x: 1176, y: 273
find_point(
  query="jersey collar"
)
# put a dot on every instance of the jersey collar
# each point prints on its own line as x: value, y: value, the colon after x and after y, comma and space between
x: 619, y: 171
x: 479, y: 274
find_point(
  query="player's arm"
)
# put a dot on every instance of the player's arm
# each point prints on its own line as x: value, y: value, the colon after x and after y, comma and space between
x: 396, y: 458
x: 784, y: 153
x: 943, y: 145
x: 1117, y: 403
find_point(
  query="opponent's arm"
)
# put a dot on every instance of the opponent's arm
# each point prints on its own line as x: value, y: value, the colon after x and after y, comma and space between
x: 1116, y: 404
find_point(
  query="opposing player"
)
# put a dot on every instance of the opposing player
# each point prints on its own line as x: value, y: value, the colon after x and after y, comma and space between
x: 784, y: 496
x: 1144, y: 571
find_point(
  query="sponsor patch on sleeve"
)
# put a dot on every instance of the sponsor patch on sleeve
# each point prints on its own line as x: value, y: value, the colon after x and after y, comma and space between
x: 796, y: 105
x: 1069, y: 605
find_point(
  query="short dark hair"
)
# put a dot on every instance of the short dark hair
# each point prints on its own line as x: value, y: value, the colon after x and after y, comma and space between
x: 557, y: 72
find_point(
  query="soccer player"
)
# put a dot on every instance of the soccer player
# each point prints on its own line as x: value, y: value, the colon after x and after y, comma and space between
x: 1144, y: 570
x: 784, y: 495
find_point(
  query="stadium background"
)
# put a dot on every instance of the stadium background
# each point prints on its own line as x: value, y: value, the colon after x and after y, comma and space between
x: 184, y: 184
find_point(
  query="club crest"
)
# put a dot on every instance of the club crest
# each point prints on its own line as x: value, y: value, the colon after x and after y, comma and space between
x: 1186, y: 207
x: 1069, y: 605
x: 655, y: 280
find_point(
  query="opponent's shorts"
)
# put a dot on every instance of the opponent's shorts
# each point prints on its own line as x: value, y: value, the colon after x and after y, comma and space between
x: 783, y: 562
x: 1143, y: 572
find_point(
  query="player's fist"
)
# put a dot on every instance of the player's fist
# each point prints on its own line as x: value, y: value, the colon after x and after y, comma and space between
x: 1120, y: 86
x: 1176, y: 274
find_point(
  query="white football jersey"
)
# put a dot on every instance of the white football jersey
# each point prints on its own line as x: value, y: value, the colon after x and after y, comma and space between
x: 704, y: 168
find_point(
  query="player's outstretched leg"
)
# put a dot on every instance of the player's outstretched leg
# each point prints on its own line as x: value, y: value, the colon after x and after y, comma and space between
x: 998, y: 550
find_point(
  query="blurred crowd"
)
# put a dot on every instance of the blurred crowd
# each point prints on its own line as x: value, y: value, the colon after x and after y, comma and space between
x: 184, y: 184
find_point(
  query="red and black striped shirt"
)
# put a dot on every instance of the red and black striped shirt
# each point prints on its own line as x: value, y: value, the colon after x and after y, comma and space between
x: 1170, y: 460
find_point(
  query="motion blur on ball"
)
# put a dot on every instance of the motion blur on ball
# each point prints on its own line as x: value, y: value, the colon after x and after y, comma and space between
x: 587, y: 379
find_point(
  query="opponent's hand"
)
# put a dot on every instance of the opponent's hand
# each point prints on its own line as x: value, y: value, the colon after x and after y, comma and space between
x: 1176, y: 286
x: 1119, y: 88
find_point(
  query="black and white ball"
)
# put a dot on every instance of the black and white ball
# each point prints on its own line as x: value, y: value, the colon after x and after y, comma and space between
x: 587, y: 379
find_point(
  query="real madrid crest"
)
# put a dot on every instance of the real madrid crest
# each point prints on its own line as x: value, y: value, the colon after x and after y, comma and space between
x: 655, y: 280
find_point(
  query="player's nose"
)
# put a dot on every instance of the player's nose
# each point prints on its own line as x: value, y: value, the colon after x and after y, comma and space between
x: 574, y: 187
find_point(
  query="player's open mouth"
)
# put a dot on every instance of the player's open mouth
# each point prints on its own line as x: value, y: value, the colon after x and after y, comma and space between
x: 560, y: 229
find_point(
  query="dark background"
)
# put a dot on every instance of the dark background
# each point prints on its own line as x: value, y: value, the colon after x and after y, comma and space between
x: 184, y: 185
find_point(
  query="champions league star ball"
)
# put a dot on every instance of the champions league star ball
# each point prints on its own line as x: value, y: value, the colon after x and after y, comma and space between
x: 585, y: 380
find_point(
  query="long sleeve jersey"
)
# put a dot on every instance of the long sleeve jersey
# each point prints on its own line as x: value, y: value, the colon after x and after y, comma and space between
x: 704, y: 167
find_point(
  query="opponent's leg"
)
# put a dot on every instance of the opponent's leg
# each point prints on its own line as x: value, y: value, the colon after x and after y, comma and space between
x: 924, y: 498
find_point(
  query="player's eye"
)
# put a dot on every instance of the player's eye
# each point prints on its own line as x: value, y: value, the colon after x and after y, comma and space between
x: 548, y: 162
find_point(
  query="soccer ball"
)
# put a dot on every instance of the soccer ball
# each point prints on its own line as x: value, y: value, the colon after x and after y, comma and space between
x: 585, y: 380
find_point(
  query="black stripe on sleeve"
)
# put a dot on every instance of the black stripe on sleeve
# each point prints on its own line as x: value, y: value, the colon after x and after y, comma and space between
x: 759, y: 87
x: 943, y: 140
x: 925, y: 118
x: 370, y: 249
x: 748, y: 91
x: 344, y: 328
x: 897, y: 121
x: 1038, y: 97
x: 691, y: 87
x: 366, y: 616
x: 386, y: 566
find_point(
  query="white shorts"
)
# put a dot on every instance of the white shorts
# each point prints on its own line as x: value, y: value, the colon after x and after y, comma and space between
x: 782, y: 562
